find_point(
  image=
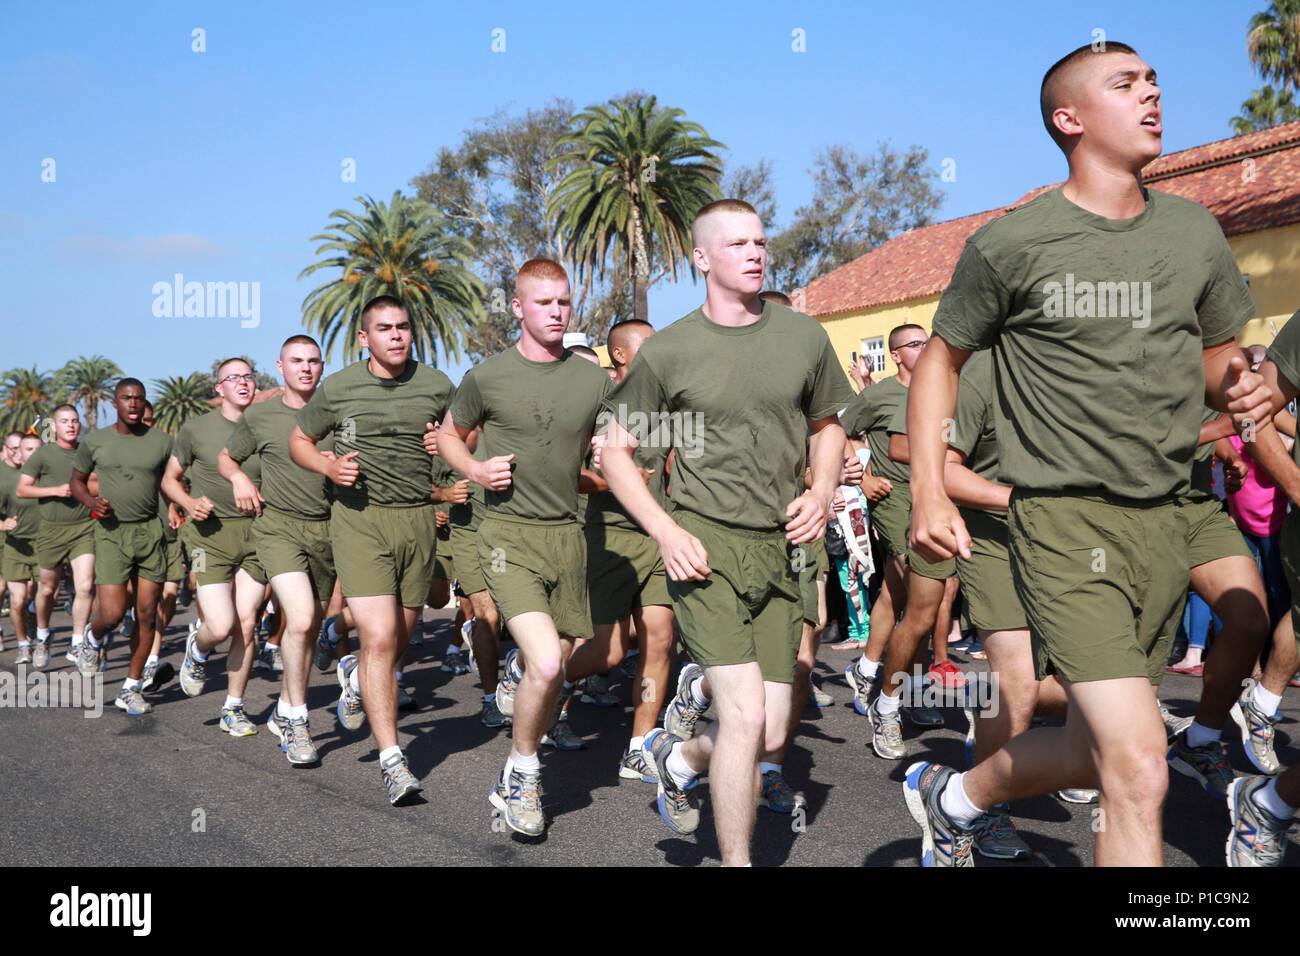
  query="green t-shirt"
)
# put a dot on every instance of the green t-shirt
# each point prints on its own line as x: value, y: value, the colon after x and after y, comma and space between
x: 603, y: 507
x: 738, y: 402
x: 1285, y: 354
x: 129, y: 467
x: 11, y: 506
x: 1202, y: 479
x: 197, y: 446
x: 384, y: 419
x: 263, y: 435
x: 1097, y: 327
x: 543, y: 413
x: 974, y: 428
x: 871, y: 411
x: 51, y: 465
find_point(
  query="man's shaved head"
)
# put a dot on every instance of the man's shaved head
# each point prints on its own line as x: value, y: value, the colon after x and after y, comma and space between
x: 622, y: 336
x: 780, y: 298
x: 701, y: 228
x: 1063, y: 83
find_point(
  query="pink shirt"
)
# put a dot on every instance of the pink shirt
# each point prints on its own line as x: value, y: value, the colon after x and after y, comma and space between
x: 1260, y: 506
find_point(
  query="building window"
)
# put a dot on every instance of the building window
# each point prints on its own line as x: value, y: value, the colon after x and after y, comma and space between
x: 874, y: 350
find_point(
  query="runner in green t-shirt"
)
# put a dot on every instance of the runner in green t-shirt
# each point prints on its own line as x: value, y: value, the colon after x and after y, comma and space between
x: 382, y: 526
x: 291, y: 532
x: 67, y: 534
x: 1111, y: 310
x: 9, y: 461
x: 22, y: 521
x: 750, y: 379
x: 537, y: 404
x: 219, y: 538
x: 128, y: 458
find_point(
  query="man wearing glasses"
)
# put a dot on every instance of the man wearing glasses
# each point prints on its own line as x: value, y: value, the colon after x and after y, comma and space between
x: 219, y: 538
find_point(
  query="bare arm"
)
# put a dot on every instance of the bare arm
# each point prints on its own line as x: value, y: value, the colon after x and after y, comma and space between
x: 247, y: 498
x: 899, y: 448
x: 199, y: 508
x: 937, y: 529
x: 81, y: 491
x: 343, y: 471
x: 968, y: 489
x: 493, y: 474
x: 27, y: 489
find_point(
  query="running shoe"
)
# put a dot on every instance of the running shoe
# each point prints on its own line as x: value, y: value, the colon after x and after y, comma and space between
x: 128, y: 626
x: 1081, y: 795
x: 467, y: 635
x: 325, y: 647
x: 148, y: 674
x: 73, y: 654
x: 1256, y: 730
x: 816, y: 696
x: 193, y: 671
x: 996, y: 836
x: 1257, y: 838
x: 683, y: 713
x: 87, y: 659
x: 235, y: 722
x: 269, y: 658
x: 1207, y: 765
x: 634, y: 766
x: 678, y: 806
x: 777, y: 795
x: 1173, y: 725
x: 520, y: 802
x: 24, y: 653
x: 595, y: 691
x: 41, y: 654
x: 562, y: 737
x: 162, y: 673
x: 507, y: 686
x: 453, y: 662
x: 886, y: 733
x: 405, y: 700
x: 349, y: 710
x: 417, y: 636
x: 862, y: 685
x: 131, y: 702
x: 924, y: 716
x: 491, y: 715
x: 398, y: 780
x: 943, y: 842
x: 295, y: 738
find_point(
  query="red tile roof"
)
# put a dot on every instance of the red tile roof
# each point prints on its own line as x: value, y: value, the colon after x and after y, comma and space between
x: 1249, y: 182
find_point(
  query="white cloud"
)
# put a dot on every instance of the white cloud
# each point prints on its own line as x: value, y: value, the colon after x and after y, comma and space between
x: 173, y: 248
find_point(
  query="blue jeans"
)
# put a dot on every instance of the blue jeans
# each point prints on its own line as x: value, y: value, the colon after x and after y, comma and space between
x: 1268, y: 558
x: 1195, y: 625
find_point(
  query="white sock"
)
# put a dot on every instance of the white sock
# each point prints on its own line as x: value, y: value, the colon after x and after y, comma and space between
x: 354, y: 680
x: 130, y: 684
x: 635, y: 743
x: 298, y: 712
x: 681, y: 772
x: 490, y: 697
x: 233, y: 702
x: 1198, y: 735
x: 868, y: 667
x: 1265, y: 699
x: 42, y: 634
x: 889, y: 705
x: 765, y: 767
x: 388, y: 752
x: 283, y: 710
x: 77, y: 639
x: 452, y: 649
x: 515, y: 671
x: 153, y: 659
x: 1267, y: 798
x: 197, y: 654
x: 90, y: 638
x: 956, y: 804
x: 528, y: 764
x: 697, y: 691
x: 24, y: 643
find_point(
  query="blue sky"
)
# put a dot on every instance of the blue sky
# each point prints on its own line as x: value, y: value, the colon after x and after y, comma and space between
x: 220, y: 165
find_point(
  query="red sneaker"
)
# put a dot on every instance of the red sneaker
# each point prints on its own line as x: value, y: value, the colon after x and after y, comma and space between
x: 946, y: 674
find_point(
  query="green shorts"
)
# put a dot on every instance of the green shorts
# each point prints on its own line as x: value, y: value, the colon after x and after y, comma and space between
x: 815, y: 563
x: 624, y: 570
x: 531, y: 565
x: 444, y: 567
x: 218, y: 547
x: 384, y: 550
x: 1102, y: 581
x: 127, y: 549
x: 288, y: 543
x: 175, y: 558
x: 1211, y: 533
x: 749, y: 608
x: 890, y: 516
x: 58, y: 542
x: 464, y: 556
x: 936, y: 571
x: 991, y: 602
x: 20, y: 562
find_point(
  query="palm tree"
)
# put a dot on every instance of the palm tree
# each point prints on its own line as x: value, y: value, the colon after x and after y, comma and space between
x: 1273, y: 43
x: 641, y: 174
x: 26, y: 395
x: 177, y: 399
x: 1265, y: 108
x: 404, y: 249
x: 87, y: 381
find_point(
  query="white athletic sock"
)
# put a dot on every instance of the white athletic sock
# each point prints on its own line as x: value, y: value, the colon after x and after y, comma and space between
x: 282, y: 709
x: 334, y: 635
x: 129, y: 684
x: 197, y: 654
x: 681, y: 772
x: 153, y: 659
x: 298, y: 712
x: 490, y: 697
x: 77, y: 639
x: 354, y: 680
x: 233, y: 702
x: 388, y: 752
x: 889, y: 705
x: 515, y: 671
x: 24, y: 643
x: 452, y: 649
x: 90, y: 637
x: 635, y: 743
x: 765, y: 767
x: 868, y: 667
x: 528, y: 764
x: 1198, y: 735
x: 1267, y: 798
x: 1265, y: 699
x: 697, y: 692
x: 956, y: 804
x: 42, y: 634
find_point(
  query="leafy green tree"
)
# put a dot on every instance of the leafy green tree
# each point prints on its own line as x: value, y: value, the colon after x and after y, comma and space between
x: 26, y: 397
x: 403, y: 248
x: 177, y: 399
x: 87, y: 381
x: 1273, y: 43
x: 1265, y: 108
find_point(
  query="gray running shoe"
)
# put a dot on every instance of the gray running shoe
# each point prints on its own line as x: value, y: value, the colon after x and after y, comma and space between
x: 235, y: 722
x: 777, y: 795
x: 295, y: 739
x: 595, y: 691
x: 350, y: 712
x: 467, y: 635
x: 491, y: 715
x: 1173, y: 725
x: 634, y: 766
x: 1079, y: 795
x: 398, y: 780
x: 453, y: 662
x: 508, y: 686
x: 162, y: 673
x: 131, y: 702
x: 88, y: 659
x: 863, y: 687
x: 678, y: 806
x: 562, y: 737
x: 1256, y: 731
x: 818, y: 697
x: 520, y: 802
x: 996, y: 836
x: 269, y: 658
x: 148, y: 675
x: 128, y: 626
x: 24, y: 653
x: 193, y: 672
x: 417, y: 636
x: 1257, y: 837
x: 886, y: 733
x: 325, y: 648
x: 1206, y: 765
x: 41, y: 654
x: 682, y: 713
x: 924, y: 716
x: 943, y: 842
x: 73, y: 655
